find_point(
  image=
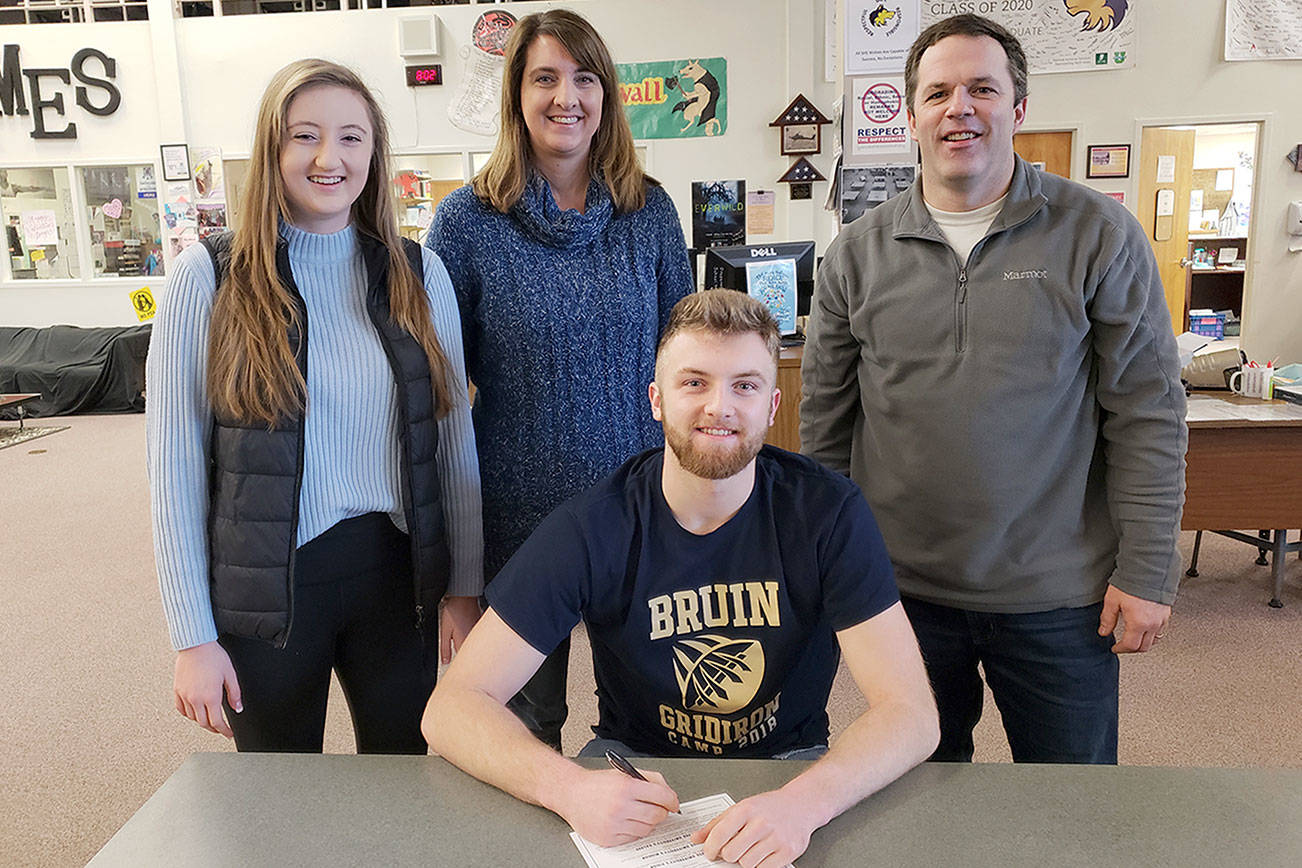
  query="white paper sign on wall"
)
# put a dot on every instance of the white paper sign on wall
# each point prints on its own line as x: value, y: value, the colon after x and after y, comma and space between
x: 880, y: 124
x: 40, y: 228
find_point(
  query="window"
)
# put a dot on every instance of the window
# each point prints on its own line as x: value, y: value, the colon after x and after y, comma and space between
x: 420, y: 181
x: 204, y: 8
x: 40, y: 228
x: 122, y: 208
x: 71, y: 11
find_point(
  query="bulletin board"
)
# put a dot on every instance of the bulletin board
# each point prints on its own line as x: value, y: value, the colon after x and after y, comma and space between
x: 1205, y: 180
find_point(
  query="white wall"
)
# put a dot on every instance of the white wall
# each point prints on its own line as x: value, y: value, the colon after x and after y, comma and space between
x: 1179, y: 77
x: 224, y: 63
x: 220, y: 107
x: 774, y: 50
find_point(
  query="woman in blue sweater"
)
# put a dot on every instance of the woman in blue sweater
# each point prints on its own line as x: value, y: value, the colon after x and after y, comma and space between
x: 566, y: 258
x: 313, y: 476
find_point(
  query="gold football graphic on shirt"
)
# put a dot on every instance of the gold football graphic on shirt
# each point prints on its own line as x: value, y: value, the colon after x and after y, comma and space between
x: 718, y: 674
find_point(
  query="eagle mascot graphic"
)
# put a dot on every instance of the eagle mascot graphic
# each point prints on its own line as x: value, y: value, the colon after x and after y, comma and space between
x: 1100, y: 15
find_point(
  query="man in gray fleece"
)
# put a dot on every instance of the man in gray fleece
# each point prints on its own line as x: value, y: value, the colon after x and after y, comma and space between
x: 991, y: 358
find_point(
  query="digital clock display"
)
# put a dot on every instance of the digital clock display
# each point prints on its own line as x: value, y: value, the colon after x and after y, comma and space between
x: 429, y: 73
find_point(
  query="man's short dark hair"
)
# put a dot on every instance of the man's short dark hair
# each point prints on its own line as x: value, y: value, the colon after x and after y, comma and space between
x: 722, y: 312
x: 966, y: 25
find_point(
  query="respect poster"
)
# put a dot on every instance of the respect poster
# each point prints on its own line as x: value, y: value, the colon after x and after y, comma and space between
x: 675, y: 99
x: 880, y: 126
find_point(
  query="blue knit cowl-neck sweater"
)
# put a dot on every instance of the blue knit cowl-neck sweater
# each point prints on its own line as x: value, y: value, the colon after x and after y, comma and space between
x: 561, y: 312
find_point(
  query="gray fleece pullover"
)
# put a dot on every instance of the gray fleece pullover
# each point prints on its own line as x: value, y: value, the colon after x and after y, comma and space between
x: 1015, y: 421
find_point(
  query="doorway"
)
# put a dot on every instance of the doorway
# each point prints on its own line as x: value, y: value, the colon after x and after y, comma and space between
x: 1051, y: 151
x: 1195, y: 203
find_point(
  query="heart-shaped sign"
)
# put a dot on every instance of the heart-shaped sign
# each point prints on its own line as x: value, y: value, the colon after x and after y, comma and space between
x: 113, y: 209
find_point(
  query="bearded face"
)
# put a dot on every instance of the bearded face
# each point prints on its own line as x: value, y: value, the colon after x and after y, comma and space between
x: 715, y: 397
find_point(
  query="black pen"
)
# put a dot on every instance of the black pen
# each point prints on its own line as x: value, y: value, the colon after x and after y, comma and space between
x: 619, y: 764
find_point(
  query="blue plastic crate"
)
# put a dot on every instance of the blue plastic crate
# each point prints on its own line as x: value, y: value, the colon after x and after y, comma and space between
x: 1208, y: 325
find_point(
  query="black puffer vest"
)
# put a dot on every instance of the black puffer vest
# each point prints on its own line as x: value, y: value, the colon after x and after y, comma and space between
x: 255, y: 474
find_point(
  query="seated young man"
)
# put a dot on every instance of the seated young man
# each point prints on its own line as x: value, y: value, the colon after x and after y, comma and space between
x: 716, y: 579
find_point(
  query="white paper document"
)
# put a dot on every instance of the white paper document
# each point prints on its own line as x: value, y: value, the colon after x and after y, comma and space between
x: 668, y: 846
x: 1166, y: 168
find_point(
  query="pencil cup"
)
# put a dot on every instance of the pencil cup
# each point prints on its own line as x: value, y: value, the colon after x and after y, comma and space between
x: 1253, y: 382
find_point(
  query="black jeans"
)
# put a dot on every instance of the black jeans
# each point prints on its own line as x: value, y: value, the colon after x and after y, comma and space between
x: 1054, y: 679
x: 355, y: 614
x: 540, y: 704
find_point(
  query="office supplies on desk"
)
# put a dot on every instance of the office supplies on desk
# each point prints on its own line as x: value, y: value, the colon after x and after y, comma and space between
x: 1288, y: 383
x: 1207, y: 323
x: 1211, y: 366
x: 1253, y: 382
x: 1291, y: 393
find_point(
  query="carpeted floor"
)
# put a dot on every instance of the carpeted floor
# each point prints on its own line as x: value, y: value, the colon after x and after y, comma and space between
x: 88, y: 730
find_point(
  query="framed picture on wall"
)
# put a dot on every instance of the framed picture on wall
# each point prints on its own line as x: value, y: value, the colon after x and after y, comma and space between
x: 801, y: 139
x: 176, y: 162
x: 1107, y: 161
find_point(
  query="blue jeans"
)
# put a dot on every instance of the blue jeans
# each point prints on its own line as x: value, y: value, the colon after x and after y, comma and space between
x: 598, y: 747
x: 1054, y: 679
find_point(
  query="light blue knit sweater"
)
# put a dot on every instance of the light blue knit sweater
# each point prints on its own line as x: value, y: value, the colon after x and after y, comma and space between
x: 351, y: 455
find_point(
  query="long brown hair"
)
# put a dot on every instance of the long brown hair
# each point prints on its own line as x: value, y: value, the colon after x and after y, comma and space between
x: 611, y: 157
x: 252, y: 373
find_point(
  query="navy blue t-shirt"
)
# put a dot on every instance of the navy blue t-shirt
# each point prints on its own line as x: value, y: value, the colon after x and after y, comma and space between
x: 715, y: 645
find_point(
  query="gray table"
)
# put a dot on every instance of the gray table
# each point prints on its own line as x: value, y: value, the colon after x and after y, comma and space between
x: 267, y: 809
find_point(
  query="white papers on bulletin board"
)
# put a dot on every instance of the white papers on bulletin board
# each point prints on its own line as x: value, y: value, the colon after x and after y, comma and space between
x: 879, y: 125
x: 1195, y: 210
x: 878, y: 34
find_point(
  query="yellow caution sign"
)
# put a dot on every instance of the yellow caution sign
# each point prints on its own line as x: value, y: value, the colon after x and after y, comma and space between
x: 143, y: 301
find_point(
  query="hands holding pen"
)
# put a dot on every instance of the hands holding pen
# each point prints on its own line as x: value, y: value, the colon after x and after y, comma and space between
x: 617, y: 806
x: 767, y: 830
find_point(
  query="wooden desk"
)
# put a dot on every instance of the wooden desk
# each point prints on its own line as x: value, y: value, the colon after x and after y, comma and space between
x: 283, y: 809
x: 785, y: 432
x: 1244, y: 469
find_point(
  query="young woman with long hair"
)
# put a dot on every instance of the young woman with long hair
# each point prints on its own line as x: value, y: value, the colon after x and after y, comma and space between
x: 313, y: 473
x: 566, y: 258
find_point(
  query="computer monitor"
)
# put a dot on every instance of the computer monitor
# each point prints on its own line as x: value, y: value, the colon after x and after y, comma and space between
x: 725, y: 267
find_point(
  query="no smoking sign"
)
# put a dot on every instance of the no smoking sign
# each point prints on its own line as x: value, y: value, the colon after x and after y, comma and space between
x: 881, y: 102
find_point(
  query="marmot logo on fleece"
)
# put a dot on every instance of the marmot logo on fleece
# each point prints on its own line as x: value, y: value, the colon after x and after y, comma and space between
x: 1026, y: 275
